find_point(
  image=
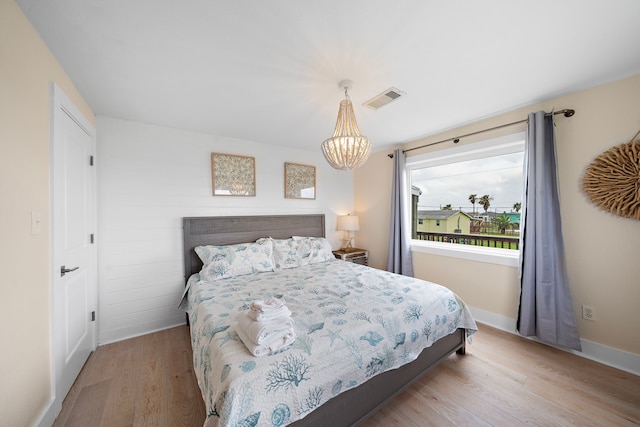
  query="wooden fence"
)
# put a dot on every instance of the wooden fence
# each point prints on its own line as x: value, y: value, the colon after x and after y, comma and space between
x: 505, y: 242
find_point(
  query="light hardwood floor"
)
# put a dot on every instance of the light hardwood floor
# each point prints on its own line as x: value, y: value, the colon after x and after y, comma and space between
x: 503, y: 380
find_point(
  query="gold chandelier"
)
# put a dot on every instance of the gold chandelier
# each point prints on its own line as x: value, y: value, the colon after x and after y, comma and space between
x: 346, y: 149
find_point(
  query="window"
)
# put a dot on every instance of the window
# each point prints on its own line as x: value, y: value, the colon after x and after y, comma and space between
x: 469, y: 198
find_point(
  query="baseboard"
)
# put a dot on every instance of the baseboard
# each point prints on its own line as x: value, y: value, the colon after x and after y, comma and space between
x: 48, y: 415
x: 613, y: 357
x: 606, y: 355
x: 497, y: 321
x: 109, y: 339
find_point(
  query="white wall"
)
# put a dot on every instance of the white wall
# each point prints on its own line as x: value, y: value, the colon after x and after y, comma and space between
x: 149, y: 177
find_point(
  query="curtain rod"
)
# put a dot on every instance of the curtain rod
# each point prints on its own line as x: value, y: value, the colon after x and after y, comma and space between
x: 566, y: 112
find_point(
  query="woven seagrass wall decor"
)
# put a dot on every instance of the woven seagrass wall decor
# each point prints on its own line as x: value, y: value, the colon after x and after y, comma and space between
x: 612, y: 180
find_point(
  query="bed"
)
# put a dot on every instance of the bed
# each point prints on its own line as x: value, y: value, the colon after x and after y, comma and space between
x: 386, y: 356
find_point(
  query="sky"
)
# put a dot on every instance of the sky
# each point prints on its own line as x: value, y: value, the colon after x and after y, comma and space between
x: 500, y: 177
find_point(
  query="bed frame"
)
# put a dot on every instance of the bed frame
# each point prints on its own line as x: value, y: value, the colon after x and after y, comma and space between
x: 356, y: 404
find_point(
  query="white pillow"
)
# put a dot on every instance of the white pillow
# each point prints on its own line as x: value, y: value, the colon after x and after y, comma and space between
x: 321, y: 250
x: 222, y: 262
x: 290, y: 253
x: 298, y: 251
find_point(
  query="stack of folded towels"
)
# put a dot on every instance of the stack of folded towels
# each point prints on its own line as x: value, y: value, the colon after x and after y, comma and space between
x: 267, y: 327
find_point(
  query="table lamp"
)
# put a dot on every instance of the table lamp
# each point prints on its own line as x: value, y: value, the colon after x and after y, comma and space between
x: 348, y: 223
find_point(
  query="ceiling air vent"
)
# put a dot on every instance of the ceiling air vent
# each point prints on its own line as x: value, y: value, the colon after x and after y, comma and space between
x: 384, y: 98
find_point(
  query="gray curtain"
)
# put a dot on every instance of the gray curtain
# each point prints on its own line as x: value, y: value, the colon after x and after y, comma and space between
x: 546, y: 308
x: 399, y: 260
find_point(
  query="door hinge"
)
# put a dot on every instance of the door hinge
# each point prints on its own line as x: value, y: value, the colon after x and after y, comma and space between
x: 92, y: 240
x: 93, y: 316
x: 90, y: 160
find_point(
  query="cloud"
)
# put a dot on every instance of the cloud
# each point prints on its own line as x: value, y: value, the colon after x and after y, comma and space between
x: 500, y: 177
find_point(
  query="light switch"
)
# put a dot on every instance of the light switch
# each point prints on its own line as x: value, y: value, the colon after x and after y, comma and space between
x: 36, y: 222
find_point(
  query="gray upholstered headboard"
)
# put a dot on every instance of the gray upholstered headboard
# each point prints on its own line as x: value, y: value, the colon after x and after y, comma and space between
x: 228, y: 230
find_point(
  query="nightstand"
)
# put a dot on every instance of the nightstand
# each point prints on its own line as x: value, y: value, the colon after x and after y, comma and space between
x: 358, y: 256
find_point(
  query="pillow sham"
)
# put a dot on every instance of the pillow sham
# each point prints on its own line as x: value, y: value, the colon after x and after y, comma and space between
x: 321, y: 250
x: 222, y: 262
x: 298, y: 251
x: 290, y: 253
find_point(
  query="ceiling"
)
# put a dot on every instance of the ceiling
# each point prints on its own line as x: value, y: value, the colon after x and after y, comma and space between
x: 268, y: 71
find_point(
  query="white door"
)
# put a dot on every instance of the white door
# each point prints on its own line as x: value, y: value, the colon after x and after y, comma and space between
x: 74, y: 285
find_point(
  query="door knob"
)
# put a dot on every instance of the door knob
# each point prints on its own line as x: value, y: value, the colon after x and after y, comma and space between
x: 64, y: 270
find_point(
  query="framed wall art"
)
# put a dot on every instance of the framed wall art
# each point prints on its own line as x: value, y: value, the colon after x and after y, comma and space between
x: 233, y: 175
x: 299, y: 181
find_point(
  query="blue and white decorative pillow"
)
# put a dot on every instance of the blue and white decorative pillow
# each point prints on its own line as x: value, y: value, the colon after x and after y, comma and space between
x: 299, y: 251
x: 290, y: 253
x: 321, y: 250
x: 222, y: 262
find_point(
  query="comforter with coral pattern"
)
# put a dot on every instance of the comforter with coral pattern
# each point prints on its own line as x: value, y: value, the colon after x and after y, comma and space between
x: 352, y: 322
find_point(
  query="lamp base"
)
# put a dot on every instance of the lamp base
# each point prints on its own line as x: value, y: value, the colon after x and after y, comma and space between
x: 348, y: 246
x: 348, y: 243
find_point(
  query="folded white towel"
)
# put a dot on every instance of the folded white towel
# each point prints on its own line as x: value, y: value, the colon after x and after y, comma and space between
x: 283, y: 340
x: 267, y: 305
x: 264, y: 332
x: 262, y: 316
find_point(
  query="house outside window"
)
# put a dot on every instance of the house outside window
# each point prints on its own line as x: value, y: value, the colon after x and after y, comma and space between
x: 469, y: 196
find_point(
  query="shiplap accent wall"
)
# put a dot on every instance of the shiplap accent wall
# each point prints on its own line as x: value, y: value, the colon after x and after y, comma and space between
x: 149, y: 178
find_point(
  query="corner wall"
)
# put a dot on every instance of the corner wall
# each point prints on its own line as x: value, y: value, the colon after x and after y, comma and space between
x: 601, y: 249
x: 26, y: 72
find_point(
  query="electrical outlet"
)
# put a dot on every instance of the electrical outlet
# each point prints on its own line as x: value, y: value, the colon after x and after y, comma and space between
x: 589, y: 313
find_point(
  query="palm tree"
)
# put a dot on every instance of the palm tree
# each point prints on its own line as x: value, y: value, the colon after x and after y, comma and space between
x: 447, y: 207
x: 517, y: 206
x: 502, y: 222
x: 485, y: 202
x: 473, y: 198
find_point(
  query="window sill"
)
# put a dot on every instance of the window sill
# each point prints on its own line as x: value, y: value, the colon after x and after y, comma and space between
x: 508, y: 257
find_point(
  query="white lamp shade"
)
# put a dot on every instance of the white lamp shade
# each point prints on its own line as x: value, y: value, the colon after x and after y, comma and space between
x: 348, y: 223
